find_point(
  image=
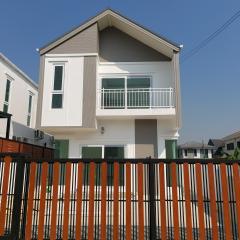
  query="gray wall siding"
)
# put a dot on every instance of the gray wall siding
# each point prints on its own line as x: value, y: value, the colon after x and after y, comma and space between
x: 116, y: 46
x: 84, y: 42
x: 146, y: 138
x: 40, y: 92
x: 89, y: 92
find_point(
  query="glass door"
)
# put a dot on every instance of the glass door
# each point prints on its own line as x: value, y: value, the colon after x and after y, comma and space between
x: 138, y: 92
x: 113, y: 93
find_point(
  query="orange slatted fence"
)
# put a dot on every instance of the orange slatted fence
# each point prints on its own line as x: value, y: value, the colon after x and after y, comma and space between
x: 119, y: 199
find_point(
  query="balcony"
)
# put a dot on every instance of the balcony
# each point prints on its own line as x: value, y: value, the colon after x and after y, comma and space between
x: 136, y: 102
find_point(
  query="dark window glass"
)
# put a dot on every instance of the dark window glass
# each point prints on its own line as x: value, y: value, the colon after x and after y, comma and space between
x: 141, y: 97
x: 114, y: 153
x: 195, y: 152
x: 206, y: 153
x: 230, y: 146
x: 185, y: 152
x: 30, y: 104
x: 92, y: 152
x: 57, y: 101
x: 113, y: 95
x: 7, y: 93
x: 58, y: 77
x: 238, y: 144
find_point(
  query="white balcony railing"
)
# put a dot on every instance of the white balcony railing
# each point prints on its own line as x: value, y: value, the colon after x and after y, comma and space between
x: 136, y: 98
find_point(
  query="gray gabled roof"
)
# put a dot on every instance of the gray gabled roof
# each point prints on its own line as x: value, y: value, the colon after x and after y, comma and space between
x: 195, y: 145
x: 18, y: 70
x: 216, y: 143
x: 95, y: 19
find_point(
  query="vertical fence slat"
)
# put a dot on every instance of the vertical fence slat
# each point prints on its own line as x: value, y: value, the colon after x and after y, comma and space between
x: 7, y: 161
x: 162, y: 201
x: 42, y: 200
x: 200, y: 201
x: 91, y: 202
x: 226, y: 213
x: 175, y: 201
x: 140, y: 202
x: 187, y: 201
x: 128, y: 201
x: 115, y: 210
x: 236, y: 181
x: 66, y: 200
x: 54, y: 200
x: 103, y: 200
x: 213, y: 206
x: 79, y: 201
x: 28, y: 230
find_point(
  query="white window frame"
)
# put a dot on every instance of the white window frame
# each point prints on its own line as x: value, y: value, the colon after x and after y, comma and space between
x: 57, y: 92
x: 29, y: 114
x: 10, y: 79
x: 102, y: 146
x: 125, y: 77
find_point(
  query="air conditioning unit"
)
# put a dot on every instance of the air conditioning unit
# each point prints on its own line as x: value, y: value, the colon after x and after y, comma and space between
x: 14, y: 138
x: 38, y: 134
x: 22, y: 139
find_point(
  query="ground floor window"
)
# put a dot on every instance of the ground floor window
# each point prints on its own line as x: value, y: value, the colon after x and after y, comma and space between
x: 106, y: 152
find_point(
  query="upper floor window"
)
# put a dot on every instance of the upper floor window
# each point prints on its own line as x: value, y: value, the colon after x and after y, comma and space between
x: 29, y: 114
x: 7, y: 96
x: 57, y: 92
x: 230, y: 146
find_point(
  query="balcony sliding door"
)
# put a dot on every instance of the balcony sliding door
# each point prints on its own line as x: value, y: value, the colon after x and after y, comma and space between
x: 113, y: 93
x: 138, y: 92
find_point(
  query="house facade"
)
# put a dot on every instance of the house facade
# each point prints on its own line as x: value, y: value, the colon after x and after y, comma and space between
x: 195, y: 150
x: 110, y: 88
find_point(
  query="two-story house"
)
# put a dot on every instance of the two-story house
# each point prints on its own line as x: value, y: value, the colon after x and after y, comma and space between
x: 110, y: 88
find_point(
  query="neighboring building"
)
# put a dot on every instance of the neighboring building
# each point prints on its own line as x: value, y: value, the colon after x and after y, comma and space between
x: 218, y: 145
x: 110, y: 88
x: 18, y: 97
x: 195, y: 150
x: 225, y: 145
x: 231, y: 142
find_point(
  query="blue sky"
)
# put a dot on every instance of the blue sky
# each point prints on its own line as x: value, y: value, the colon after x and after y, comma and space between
x: 210, y: 80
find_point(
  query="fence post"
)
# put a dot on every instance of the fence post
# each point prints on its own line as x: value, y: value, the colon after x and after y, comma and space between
x: 151, y: 183
x: 18, y: 188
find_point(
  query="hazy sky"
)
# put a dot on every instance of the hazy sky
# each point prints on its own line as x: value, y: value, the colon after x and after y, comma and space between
x: 210, y: 81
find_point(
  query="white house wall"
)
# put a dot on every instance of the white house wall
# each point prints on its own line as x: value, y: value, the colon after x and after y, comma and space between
x: 161, y: 72
x: 166, y: 131
x: 116, y: 132
x: 19, y: 97
x: 71, y: 113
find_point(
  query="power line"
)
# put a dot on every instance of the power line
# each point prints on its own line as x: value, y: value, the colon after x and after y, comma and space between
x: 205, y: 42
